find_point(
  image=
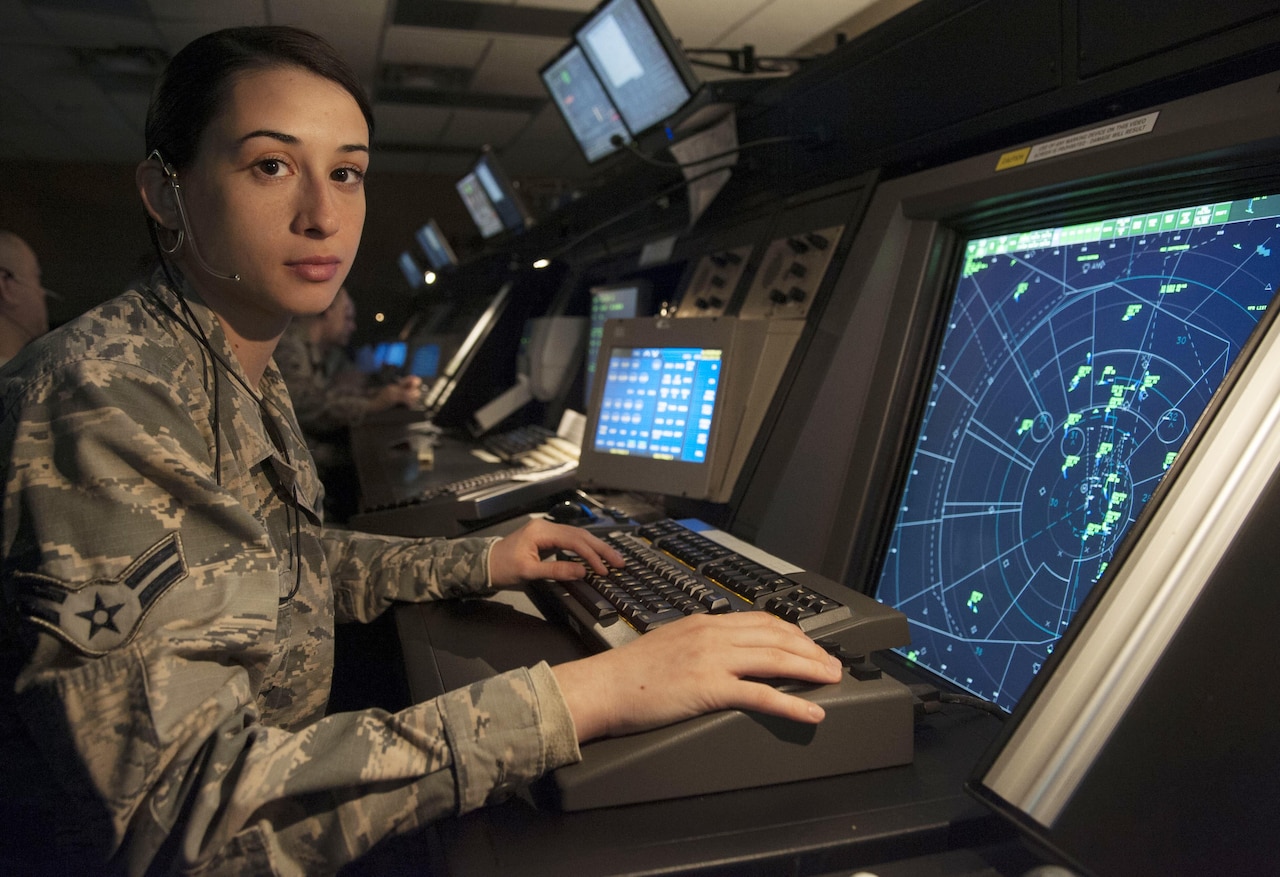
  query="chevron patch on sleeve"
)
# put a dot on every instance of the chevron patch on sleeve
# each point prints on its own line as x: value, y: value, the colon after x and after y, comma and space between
x: 100, y: 615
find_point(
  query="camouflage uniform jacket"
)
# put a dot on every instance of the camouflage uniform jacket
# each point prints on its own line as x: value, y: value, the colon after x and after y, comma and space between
x: 169, y: 595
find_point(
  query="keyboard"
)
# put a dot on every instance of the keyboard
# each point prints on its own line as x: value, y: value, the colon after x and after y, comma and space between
x: 449, y: 509
x: 532, y: 446
x: 510, y: 445
x: 679, y: 568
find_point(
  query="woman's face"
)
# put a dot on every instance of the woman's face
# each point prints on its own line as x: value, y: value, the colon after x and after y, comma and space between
x: 276, y: 195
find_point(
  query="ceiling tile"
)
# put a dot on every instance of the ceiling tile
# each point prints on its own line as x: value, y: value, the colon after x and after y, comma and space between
x: 576, y: 5
x: 439, y: 48
x: 408, y: 123
x: 449, y: 164
x: 86, y: 30
x: 511, y: 66
x: 296, y: 11
x: 701, y: 24
x: 181, y: 21
x: 224, y: 13
x: 354, y: 29
x: 478, y: 128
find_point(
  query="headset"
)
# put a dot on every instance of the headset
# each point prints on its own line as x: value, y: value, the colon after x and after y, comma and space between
x: 171, y: 177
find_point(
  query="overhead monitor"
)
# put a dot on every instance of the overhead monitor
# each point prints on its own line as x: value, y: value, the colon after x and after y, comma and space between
x: 616, y: 301
x: 478, y: 205
x: 641, y: 66
x: 435, y: 246
x: 678, y: 402
x: 413, y: 274
x: 581, y: 99
x: 502, y: 193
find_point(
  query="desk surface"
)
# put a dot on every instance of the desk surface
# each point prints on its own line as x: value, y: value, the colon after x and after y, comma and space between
x: 810, y: 827
x: 390, y: 469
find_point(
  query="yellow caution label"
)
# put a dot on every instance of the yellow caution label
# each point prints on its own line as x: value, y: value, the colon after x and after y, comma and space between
x: 1017, y: 158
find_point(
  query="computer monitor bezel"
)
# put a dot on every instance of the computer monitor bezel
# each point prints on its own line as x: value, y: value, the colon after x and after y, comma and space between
x: 755, y: 354
x: 441, y: 257
x: 670, y: 48
x: 669, y: 477
x: 592, y: 156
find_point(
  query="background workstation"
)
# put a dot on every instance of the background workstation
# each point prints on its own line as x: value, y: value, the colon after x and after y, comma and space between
x: 988, y: 290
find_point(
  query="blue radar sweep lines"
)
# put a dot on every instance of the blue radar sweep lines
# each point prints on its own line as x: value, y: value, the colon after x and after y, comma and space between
x: 1074, y: 365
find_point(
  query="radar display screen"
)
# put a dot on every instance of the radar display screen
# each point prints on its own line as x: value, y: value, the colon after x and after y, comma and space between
x: 1074, y: 363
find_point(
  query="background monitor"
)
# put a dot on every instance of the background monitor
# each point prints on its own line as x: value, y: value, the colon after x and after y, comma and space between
x: 641, y: 66
x: 478, y: 205
x: 617, y: 301
x: 446, y: 381
x: 413, y: 274
x: 581, y: 99
x: 390, y: 355
x: 425, y: 361
x: 435, y: 246
x: 487, y: 328
x: 503, y: 195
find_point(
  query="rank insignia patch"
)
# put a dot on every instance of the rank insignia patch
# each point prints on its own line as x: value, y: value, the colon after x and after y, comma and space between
x: 97, y: 616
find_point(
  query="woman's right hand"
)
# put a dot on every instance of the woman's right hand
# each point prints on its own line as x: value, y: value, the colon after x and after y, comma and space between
x: 693, y: 666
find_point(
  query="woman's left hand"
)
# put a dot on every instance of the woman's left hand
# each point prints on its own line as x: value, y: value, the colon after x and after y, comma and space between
x: 522, y: 556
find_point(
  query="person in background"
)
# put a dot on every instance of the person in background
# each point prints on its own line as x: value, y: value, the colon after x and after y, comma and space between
x: 170, y: 586
x: 330, y: 396
x: 24, y: 314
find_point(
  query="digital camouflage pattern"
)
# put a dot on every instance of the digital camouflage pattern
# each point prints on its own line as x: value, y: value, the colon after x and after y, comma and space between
x: 166, y: 629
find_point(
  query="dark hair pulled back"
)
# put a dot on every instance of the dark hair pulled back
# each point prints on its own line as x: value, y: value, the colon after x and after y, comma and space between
x: 198, y: 80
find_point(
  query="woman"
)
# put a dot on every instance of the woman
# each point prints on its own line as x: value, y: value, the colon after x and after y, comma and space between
x: 170, y: 589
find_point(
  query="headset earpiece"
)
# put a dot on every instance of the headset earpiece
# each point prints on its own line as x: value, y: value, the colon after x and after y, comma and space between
x: 170, y: 175
x: 173, y: 201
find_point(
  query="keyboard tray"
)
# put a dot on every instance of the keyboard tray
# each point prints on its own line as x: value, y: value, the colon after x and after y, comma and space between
x: 869, y: 716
